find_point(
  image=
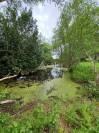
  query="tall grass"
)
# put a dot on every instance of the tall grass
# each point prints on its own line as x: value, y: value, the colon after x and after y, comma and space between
x: 84, y: 71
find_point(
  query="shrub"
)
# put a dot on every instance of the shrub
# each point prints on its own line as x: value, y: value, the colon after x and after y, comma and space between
x: 4, y: 94
x: 91, y: 90
x: 84, y: 71
x: 81, y: 118
x: 37, y: 121
x: 44, y: 121
x: 85, y: 130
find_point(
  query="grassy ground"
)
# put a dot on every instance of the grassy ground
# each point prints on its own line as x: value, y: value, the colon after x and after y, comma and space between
x: 22, y: 90
x: 62, y: 107
x: 61, y: 87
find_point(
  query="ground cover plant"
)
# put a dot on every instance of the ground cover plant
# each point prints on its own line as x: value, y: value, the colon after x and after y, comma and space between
x: 84, y: 71
x: 82, y: 117
x: 37, y: 121
x: 49, y: 84
x: 55, y: 114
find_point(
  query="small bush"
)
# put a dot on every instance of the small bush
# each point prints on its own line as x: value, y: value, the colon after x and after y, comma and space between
x: 4, y: 94
x: 78, y: 116
x: 91, y: 90
x: 84, y: 72
x: 85, y: 130
x: 81, y: 118
x: 38, y: 121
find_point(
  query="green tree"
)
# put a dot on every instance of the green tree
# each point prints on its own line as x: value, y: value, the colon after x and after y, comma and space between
x: 78, y: 31
x: 46, y: 53
x: 19, y: 42
x: 37, y: 1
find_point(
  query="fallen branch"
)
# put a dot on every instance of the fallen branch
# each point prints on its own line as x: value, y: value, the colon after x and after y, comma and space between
x: 7, y: 102
x: 8, y: 77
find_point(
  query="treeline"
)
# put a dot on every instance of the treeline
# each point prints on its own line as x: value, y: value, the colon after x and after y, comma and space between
x: 20, y: 44
x: 76, y: 36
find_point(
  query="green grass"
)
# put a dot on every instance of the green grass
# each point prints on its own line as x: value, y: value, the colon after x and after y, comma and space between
x: 61, y: 87
x: 82, y: 118
x: 84, y: 71
x: 22, y: 90
x: 74, y: 114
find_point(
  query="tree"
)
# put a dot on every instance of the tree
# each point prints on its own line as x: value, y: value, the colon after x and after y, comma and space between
x: 19, y: 42
x: 46, y: 53
x: 36, y: 1
x: 78, y: 31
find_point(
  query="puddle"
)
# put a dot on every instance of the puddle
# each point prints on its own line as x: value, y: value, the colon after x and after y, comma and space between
x: 56, y: 71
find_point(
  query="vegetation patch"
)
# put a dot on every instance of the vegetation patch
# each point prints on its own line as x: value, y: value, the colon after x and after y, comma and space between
x: 81, y: 117
x: 38, y: 121
x: 84, y: 71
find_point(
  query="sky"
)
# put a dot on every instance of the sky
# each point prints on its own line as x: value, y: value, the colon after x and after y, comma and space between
x: 47, y: 16
x: 2, y: 5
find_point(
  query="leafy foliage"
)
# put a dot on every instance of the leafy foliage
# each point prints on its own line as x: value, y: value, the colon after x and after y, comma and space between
x: 19, y: 41
x: 4, y: 94
x: 84, y: 71
x: 77, y: 36
x: 91, y: 90
x: 38, y: 121
x: 81, y: 118
x: 46, y: 53
x: 57, y: 2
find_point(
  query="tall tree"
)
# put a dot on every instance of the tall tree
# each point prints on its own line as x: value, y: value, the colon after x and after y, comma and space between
x: 36, y: 1
x: 78, y: 30
x: 19, y: 42
x: 46, y: 53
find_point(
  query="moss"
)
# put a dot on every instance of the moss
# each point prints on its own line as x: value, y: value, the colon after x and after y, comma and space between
x: 21, y: 89
x: 61, y: 87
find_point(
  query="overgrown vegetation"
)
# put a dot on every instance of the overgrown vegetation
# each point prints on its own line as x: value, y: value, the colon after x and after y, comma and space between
x: 84, y: 72
x: 37, y: 121
x: 82, y: 118
x: 46, y: 53
x: 20, y: 45
x: 76, y: 36
x: 58, y: 105
x: 91, y: 90
x: 4, y: 94
x: 19, y: 42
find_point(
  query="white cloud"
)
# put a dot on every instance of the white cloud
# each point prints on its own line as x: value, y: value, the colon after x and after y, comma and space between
x: 47, y: 16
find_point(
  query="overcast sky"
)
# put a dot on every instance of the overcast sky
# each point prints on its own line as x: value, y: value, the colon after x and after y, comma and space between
x: 47, y: 16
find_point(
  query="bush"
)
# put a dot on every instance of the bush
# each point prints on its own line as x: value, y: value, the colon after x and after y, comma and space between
x: 91, y: 90
x: 4, y: 94
x: 82, y: 118
x: 85, y: 130
x: 84, y: 72
x: 38, y: 121
x: 78, y: 116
